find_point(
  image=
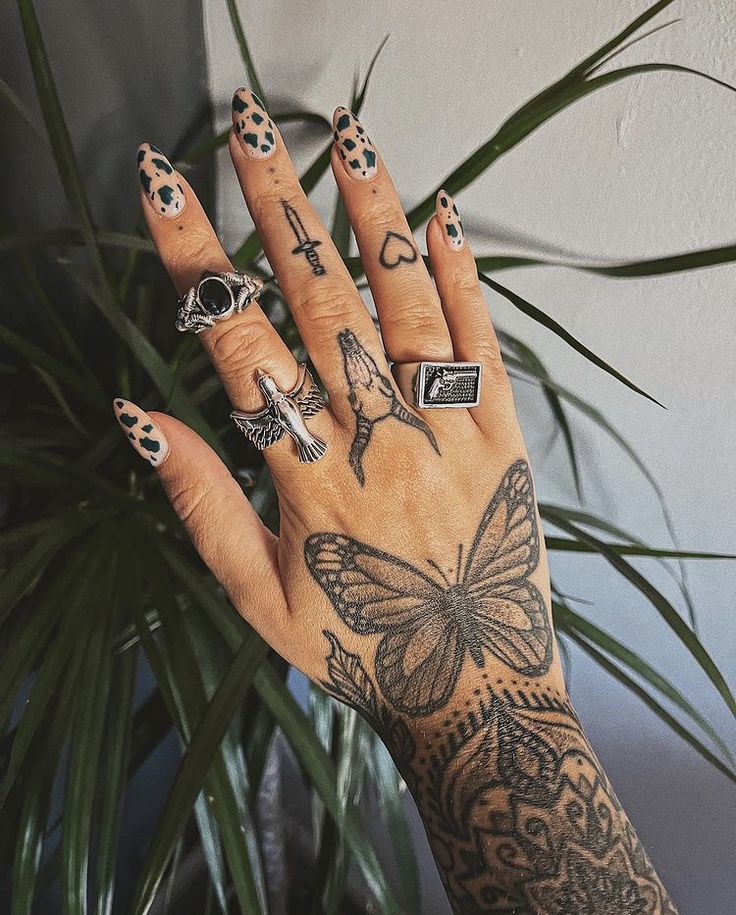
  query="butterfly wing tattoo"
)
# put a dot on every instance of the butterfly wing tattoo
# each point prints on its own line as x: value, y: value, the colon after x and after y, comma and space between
x: 419, y: 657
x: 428, y: 624
x: 508, y: 611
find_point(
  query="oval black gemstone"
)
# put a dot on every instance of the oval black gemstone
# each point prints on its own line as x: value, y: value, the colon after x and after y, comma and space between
x: 214, y: 295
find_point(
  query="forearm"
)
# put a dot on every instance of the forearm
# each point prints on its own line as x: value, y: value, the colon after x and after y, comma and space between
x: 519, y: 812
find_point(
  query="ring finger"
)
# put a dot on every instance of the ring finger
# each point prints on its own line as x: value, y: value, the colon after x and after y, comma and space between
x: 188, y: 246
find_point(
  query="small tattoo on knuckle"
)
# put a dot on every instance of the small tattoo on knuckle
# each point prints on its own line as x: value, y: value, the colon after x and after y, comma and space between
x: 372, y: 398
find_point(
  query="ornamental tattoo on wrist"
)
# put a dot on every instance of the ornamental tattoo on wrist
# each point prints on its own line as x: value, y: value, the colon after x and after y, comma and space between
x: 519, y: 813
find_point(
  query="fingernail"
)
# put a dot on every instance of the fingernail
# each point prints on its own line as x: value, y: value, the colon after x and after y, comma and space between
x: 452, y: 228
x: 141, y: 431
x: 253, y: 126
x: 357, y: 152
x: 161, y: 184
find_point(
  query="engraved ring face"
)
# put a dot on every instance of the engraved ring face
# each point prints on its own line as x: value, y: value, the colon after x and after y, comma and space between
x: 215, y: 297
x: 447, y: 384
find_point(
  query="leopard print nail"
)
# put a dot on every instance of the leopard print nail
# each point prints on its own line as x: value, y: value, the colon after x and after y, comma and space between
x: 141, y: 431
x: 253, y: 127
x: 161, y: 184
x: 449, y: 219
x: 354, y: 145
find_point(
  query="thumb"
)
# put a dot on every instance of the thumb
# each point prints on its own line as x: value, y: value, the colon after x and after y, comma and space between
x: 237, y: 547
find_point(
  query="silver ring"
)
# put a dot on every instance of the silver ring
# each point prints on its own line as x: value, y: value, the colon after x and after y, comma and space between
x: 430, y: 385
x: 285, y: 413
x: 215, y: 297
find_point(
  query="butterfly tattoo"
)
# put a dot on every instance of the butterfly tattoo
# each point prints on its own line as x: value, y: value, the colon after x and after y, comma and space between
x: 430, y: 624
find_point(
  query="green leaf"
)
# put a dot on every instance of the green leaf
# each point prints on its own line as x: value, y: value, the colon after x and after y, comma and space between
x: 661, y: 604
x: 573, y: 622
x: 149, y: 357
x: 17, y: 582
x: 247, y: 58
x: 37, y: 357
x: 565, y: 545
x: 527, y: 355
x: 196, y: 763
x: 62, y: 659
x: 320, y: 770
x: 658, y: 266
x: 116, y: 754
x: 651, y: 703
x: 541, y: 318
x: 392, y: 793
x: 86, y: 745
x: 15, y: 101
x: 573, y: 86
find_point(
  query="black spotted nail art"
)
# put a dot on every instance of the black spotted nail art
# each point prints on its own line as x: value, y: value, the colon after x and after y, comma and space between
x: 354, y: 145
x: 253, y: 127
x: 161, y: 183
x: 449, y: 219
x: 141, y: 431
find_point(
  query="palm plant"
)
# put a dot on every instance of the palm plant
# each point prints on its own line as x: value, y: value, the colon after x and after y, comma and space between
x: 101, y: 592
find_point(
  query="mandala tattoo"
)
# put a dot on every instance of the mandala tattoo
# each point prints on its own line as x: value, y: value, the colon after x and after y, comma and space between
x: 521, y: 818
x: 431, y: 624
x: 372, y: 398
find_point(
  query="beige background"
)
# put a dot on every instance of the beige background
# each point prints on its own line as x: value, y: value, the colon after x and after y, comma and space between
x: 640, y: 170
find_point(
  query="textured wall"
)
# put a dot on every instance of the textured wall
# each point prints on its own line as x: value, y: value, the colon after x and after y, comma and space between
x: 643, y: 169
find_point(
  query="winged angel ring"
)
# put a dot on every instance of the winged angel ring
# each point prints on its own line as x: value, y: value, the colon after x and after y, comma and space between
x: 285, y: 412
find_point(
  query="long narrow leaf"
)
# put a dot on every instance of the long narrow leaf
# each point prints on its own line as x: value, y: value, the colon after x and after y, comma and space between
x: 659, y: 710
x: 195, y: 764
x: 661, y: 604
x: 572, y: 621
x: 321, y: 771
x: 246, y: 56
x: 546, y: 321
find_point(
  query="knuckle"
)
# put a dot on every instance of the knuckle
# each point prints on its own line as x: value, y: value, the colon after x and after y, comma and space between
x: 192, y: 500
x: 465, y: 283
x: 239, y: 347
x: 372, y: 220
x: 267, y: 206
x: 198, y: 249
x: 328, y: 307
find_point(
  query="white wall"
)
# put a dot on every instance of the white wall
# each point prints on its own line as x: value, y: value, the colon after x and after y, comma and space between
x: 640, y: 170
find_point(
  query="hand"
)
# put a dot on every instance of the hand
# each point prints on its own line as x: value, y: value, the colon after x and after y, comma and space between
x: 399, y: 495
x: 409, y: 576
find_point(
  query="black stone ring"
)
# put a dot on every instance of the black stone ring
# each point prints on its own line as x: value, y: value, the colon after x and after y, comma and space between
x: 215, y: 297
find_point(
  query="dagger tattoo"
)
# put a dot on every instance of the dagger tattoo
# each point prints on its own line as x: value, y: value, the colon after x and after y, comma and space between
x: 306, y: 245
x: 372, y: 398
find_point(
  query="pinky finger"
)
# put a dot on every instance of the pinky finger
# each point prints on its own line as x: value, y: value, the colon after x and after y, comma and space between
x: 215, y: 512
x: 466, y: 311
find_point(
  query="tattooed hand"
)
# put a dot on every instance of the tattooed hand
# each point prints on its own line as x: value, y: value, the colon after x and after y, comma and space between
x: 409, y: 577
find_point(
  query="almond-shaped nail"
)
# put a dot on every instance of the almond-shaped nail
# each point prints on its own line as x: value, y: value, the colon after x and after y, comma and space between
x: 141, y: 431
x: 354, y: 145
x: 449, y: 219
x: 161, y: 183
x: 253, y: 127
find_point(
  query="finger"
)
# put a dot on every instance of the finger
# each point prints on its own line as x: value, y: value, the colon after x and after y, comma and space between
x: 316, y: 284
x: 188, y: 246
x: 216, y: 514
x: 466, y: 312
x: 412, y: 324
